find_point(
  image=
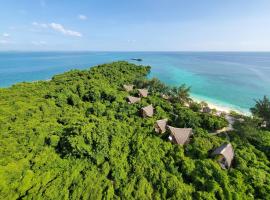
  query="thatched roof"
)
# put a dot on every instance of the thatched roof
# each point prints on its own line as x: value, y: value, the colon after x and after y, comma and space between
x: 219, y: 113
x: 186, y: 104
x: 148, y: 111
x: 132, y: 99
x: 143, y: 92
x: 241, y: 120
x: 227, y: 151
x: 161, y: 125
x: 164, y: 96
x: 206, y: 109
x: 128, y: 88
x: 180, y: 135
x: 264, y: 124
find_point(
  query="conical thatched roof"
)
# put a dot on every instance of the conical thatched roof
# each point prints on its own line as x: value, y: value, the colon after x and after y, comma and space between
x: 160, y: 126
x: 180, y: 135
x: 143, y: 92
x: 227, y: 151
x: 206, y: 109
x: 128, y: 88
x: 148, y: 111
x: 132, y: 99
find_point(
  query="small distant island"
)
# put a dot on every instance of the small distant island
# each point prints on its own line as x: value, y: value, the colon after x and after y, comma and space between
x: 137, y: 59
x: 111, y: 133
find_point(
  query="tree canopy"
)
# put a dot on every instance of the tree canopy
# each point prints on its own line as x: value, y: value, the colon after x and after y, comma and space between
x: 76, y: 137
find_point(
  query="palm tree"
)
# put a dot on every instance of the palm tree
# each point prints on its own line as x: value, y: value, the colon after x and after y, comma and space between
x: 181, y: 94
x: 157, y: 86
x: 262, y: 110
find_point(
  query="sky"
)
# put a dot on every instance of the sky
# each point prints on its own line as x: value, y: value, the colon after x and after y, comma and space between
x: 141, y: 25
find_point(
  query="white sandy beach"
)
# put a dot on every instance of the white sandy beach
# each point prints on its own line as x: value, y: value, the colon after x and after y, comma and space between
x: 219, y: 107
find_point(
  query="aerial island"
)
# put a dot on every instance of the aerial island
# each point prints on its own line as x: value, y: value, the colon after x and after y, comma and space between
x: 110, y: 132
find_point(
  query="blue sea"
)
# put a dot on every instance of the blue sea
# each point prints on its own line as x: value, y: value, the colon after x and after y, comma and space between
x: 230, y: 79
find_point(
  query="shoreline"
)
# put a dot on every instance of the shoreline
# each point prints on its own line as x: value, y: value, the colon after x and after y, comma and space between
x: 219, y: 106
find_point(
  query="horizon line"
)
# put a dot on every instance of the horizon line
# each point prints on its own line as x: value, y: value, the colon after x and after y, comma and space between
x: 161, y: 51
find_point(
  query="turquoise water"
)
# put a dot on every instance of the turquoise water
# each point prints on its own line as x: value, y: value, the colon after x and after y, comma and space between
x: 230, y: 79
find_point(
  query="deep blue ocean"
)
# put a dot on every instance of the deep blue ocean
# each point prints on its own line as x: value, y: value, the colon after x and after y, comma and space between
x: 224, y: 78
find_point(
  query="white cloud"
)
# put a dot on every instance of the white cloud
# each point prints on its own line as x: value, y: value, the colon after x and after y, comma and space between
x: 82, y: 17
x: 59, y: 28
x: 5, y: 39
x: 6, y: 35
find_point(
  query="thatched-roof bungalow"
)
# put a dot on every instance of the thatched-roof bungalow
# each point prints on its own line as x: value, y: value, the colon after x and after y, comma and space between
x: 225, y: 155
x: 143, y: 92
x: 132, y: 99
x: 148, y: 111
x: 264, y: 124
x: 186, y: 104
x: 164, y: 96
x: 241, y: 120
x: 180, y: 135
x: 161, y: 125
x: 220, y: 113
x: 128, y: 88
x: 206, y: 109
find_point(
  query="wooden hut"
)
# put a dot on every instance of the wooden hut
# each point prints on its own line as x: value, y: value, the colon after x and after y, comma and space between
x: 225, y: 155
x: 180, y: 135
x: 128, y: 88
x: 148, y: 111
x: 132, y: 99
x: 143, y: 92
x: 161, y: 125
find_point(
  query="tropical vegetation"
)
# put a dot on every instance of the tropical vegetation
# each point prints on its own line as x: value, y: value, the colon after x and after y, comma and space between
x: 76, y: 137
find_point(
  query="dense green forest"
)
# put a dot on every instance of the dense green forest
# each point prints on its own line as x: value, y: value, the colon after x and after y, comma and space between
x: 76, y: 137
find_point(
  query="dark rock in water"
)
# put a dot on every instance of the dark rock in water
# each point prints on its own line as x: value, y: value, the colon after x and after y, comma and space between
x: 137, y: 59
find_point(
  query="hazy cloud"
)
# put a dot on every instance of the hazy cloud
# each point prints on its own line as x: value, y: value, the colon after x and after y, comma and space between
x: 5, y: 41
x: 42, y: 3
x: 131, y: 41
x: 59, y: 28
x: 39, y: 43
x: 6, y: 35
x: 40, y: 25
x: 23, y: 12
x: 82, y: 17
